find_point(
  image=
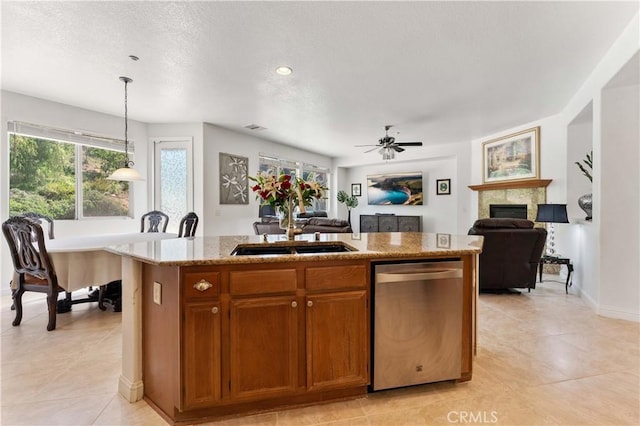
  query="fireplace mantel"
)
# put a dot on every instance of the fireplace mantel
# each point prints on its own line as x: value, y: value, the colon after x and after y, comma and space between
x: 529, y: 183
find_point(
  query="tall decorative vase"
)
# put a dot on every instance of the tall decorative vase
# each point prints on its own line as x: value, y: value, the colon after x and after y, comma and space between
x: 287, y: 218
x: 585, y: 202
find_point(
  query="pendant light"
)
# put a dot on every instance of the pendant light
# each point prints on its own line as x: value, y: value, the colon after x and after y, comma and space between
x: 126, y: 173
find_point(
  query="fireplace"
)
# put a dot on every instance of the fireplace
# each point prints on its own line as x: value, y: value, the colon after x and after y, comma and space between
x: 515, y: 211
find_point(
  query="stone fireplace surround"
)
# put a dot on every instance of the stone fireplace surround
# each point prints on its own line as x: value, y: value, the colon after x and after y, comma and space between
x: 530, y: 192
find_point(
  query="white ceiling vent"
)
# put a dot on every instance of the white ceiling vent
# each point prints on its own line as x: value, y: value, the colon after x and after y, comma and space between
x: 254, y: 127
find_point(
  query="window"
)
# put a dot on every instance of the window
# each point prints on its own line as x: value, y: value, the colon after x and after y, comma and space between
x: 64, y: 179
x: 275, y: 166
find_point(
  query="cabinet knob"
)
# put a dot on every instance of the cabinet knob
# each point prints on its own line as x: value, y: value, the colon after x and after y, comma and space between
x: 294, y: 304
x: 310, y: 303
x: 202, y: 285
x: 214, y: 310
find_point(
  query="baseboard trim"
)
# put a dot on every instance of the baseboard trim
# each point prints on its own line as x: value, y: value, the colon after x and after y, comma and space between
x: 132, y: 392
x: 610, y: 312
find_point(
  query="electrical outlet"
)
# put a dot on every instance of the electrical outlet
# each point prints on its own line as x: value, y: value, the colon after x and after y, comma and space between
x: 157, y: 293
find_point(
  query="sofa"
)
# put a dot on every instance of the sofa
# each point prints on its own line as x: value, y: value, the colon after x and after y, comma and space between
x: 270, y: 225
x: 510, y: 254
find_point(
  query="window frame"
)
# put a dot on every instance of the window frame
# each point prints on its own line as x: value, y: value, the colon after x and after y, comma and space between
x: 79, y: 141
x: 300, y: 168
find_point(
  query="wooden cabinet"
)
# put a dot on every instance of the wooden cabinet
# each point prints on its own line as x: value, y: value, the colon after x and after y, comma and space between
x: 253, y: 338
x: 201, y: 354
x: 390, y: 223
x: 337, y: 343
x: 263, y: 347
x: 337, y: 328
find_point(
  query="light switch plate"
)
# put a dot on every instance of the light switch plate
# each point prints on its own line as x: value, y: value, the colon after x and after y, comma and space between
x: 157, y: 293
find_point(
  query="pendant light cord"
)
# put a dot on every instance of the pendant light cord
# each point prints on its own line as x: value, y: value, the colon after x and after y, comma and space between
x: 128, y: 163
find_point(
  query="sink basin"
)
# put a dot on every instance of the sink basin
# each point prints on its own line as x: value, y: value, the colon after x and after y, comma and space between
x: 289, y: 248
x: 326, y: 248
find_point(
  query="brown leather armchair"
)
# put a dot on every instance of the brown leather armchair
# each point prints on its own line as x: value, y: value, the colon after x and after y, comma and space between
x: 510, y: 254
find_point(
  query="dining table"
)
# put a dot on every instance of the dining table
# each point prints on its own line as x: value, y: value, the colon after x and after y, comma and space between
x: 81, y: 261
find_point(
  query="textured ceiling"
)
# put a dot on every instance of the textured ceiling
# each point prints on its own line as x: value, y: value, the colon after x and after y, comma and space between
x: 442, y: 72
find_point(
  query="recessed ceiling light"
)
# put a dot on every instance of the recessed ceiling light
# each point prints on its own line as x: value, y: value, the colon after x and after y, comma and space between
x: 284, y: 70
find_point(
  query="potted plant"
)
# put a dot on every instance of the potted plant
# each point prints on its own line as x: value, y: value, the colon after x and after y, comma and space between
x: 349, y: 201
x: 586, y: 167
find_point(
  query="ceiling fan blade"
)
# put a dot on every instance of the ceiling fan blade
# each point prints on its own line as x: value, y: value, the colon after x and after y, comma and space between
x: 371, y: 144
x: 372, y: 149
x: 397, y: 148
x: 409, y: 143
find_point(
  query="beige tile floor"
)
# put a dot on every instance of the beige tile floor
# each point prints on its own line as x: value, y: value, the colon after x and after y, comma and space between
x: 544, y: 358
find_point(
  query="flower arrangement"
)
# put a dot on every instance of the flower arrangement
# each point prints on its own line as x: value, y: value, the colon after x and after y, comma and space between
x: 283, y: 190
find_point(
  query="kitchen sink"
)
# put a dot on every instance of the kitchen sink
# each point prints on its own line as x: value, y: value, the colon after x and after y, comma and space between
x: 289, y: 248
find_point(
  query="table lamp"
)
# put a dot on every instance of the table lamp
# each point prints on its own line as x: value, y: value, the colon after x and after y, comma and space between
x: 552, y: 213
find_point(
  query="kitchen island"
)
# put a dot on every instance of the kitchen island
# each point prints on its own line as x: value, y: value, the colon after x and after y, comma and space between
x: 211, y: 333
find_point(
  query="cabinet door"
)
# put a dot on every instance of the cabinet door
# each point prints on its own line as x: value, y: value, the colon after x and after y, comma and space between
x: 387, y: 223
x: 409, y: 223
x: 201, y: 354
x: 264, y: 339
x: 337, y: 340
x: 368, y: 223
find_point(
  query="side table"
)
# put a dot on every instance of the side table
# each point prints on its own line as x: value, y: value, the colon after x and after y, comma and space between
x: 552, y: 260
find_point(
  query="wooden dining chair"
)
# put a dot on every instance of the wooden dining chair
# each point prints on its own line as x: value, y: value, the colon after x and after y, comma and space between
x: 41, y: 219
x: 188, y: 225
x: 33, y: 269
x: 157, y: 220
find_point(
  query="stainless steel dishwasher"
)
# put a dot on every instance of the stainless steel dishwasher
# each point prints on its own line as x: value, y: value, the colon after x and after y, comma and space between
x: 417, y: 325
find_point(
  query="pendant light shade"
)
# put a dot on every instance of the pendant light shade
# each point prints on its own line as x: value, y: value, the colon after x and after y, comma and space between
x: 127, y: 172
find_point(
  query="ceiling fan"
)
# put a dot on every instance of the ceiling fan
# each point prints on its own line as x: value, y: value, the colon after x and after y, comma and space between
x: 388, y: 146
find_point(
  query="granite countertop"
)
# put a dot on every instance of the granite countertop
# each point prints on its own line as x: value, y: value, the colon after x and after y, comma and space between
x: 380, y: 245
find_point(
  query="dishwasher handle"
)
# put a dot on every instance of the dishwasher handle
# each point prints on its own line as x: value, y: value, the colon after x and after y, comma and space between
x: 434, y: 274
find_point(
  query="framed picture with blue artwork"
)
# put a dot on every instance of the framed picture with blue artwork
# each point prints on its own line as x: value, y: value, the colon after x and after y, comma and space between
x: 443, y: 187
x: 395, y: 189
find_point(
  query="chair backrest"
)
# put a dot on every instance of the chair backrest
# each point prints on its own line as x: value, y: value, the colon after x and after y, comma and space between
x: 28, y: 251
x: 40, y: 218
x: 510, y: 253
x: 158, y: 221
x: 188, y: 225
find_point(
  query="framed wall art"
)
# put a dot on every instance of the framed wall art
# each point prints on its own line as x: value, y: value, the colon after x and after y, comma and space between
x: 396, y: 188
x: 443, y: 187
x: 443, y: 240
x: 356, y: 189
x: 512, y: 157
x: 234, y: 186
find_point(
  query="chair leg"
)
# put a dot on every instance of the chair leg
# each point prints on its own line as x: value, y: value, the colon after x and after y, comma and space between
x: 17, y: 302
x: 13, y: 292
x: 52, y: 302
x: 101, y: 298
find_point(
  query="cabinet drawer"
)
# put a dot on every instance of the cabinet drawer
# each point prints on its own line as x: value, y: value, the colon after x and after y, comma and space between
x: 263, y: 282
x: 199, y: 285
x: 368, y: 223
x: 409, y: 223
x: 335, y: 277
x: 388, y: 224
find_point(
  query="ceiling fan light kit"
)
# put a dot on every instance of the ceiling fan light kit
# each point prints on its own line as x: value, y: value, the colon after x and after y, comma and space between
x: 388, y: 145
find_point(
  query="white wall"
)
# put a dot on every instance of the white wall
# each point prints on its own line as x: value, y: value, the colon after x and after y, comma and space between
x: 619, y: 211
x: 16, y: 107
x: 579, y: 144
x: 440, y: 213
x: 605, y: 243
x: 552, y: 155
x: 227, y: 219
